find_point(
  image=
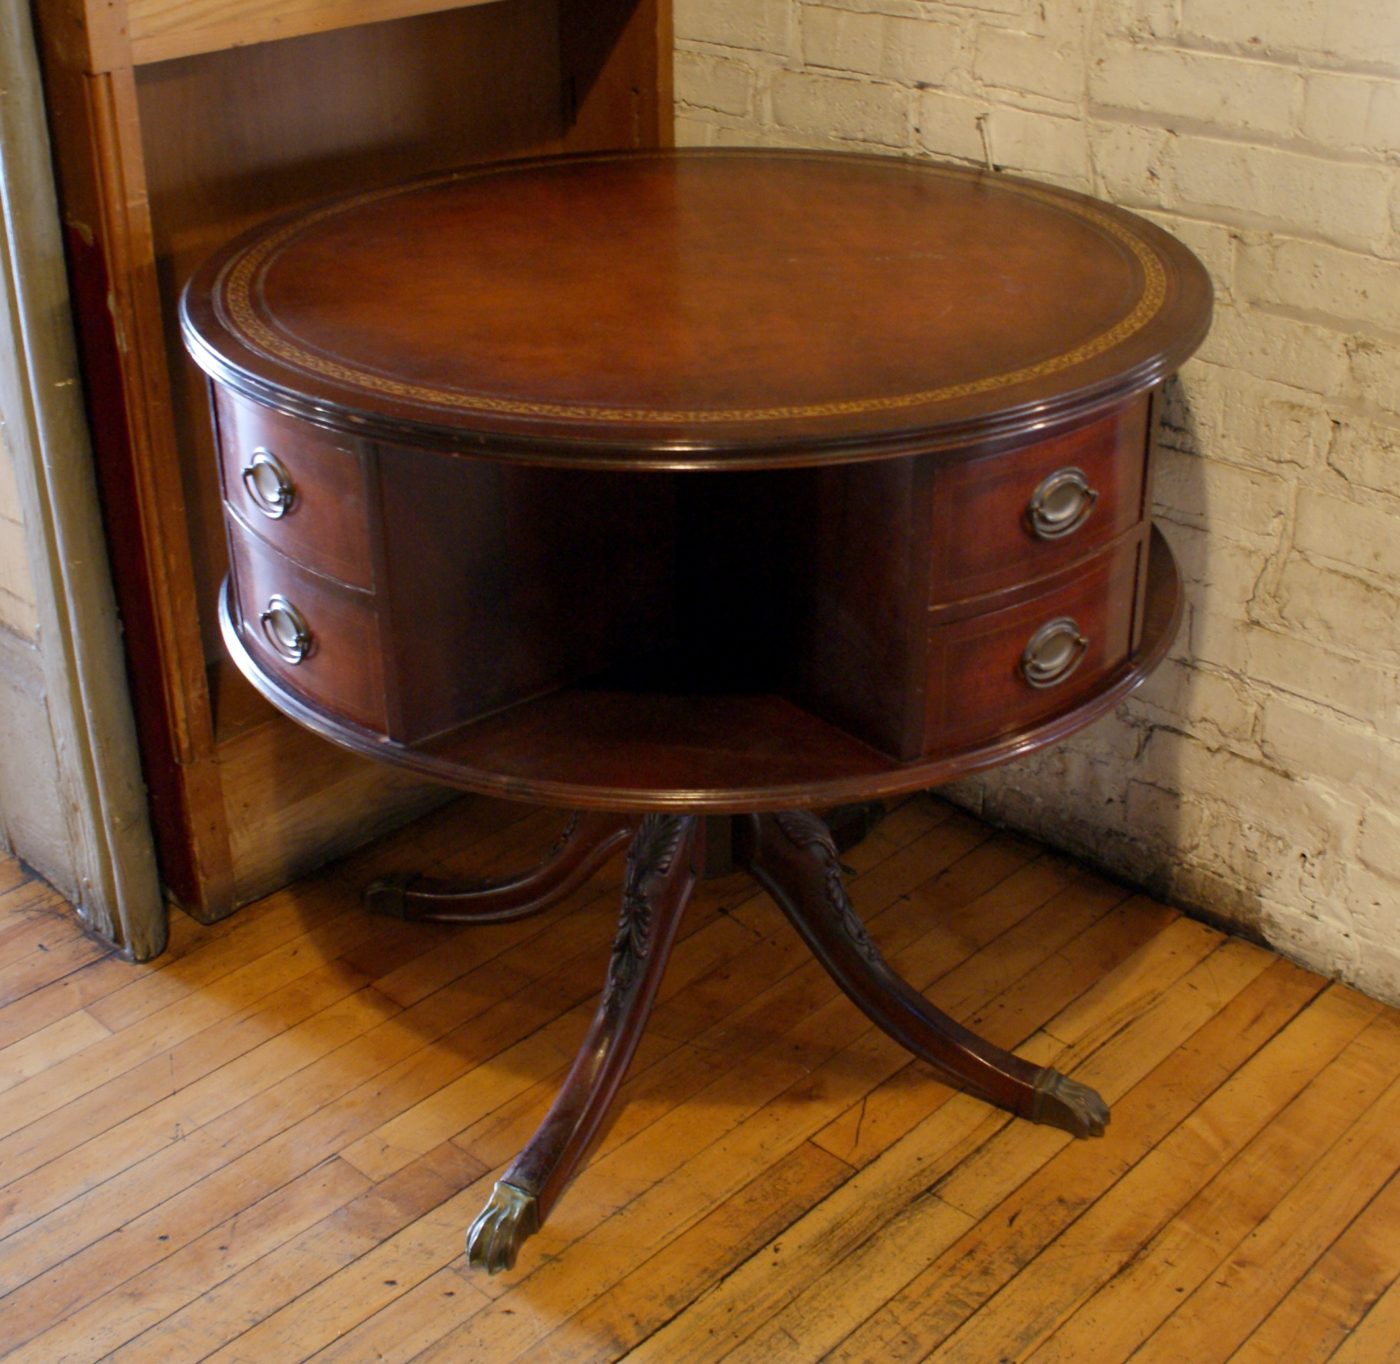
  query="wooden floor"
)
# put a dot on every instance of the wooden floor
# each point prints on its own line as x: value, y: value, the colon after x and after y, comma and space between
x: 267, y: 1145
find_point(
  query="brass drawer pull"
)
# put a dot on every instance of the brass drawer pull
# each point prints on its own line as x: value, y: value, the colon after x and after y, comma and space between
x: 1061, y: 504
x: 286, y: 630
x: 269, y: 485
x: 1053, y: 653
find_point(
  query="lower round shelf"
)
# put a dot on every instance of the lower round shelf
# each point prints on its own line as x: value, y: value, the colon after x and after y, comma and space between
x: 630, y: 751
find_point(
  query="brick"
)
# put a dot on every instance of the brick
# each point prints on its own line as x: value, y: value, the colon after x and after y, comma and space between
x: 1284, y: 350
x: 761, y: 25
x: 1302, y: 669
x: 1214, y: 635
x: 1296, y: 811
x: 1348, y: 533
x: 1169, y: 84
x: 898, y: 49
x: 714, y: 83
x: 1272, y: 425
x: 857, y: 111
x: 1342, y: 202
x: 1346, y: 288
x: 1355, y: 113
x: 692, y: 131
x: 1352, y: 757
x: 1139, y: 18
x: 1378, y: 973
x: 947, y: 125
x: 1363, y: 31
x: 1262, y: 25
x: 1025, y: 63
x: 1231, y: 502
x: 1040, y: 145
x: 1131, y: 164
x: 1369, y: 905
x: 1379, y: 844
x: 1199, y: 698
x: 1375, y: 371
x: 1341, y: 611
x: 1367, y: 454
x: 1326, y: 945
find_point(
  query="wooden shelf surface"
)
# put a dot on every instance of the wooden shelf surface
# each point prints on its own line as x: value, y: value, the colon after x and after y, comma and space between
x: 162, y: 29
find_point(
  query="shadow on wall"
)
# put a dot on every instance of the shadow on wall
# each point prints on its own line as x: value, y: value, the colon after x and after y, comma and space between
x: 1127, y: 795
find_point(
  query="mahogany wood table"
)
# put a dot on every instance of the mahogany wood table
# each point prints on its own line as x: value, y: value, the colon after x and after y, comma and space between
x: 694, y: 492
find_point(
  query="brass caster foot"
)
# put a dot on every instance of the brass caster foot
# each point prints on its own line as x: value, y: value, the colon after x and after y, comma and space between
x: 495, y: 1238
x: 386, y: 896
x: 1065, y: 1103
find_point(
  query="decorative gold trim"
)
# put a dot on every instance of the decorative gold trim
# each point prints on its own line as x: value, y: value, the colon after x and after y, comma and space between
x: 236, y: 285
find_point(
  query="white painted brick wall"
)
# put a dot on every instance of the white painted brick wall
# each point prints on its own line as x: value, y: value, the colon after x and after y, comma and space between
x: 1257, y: 774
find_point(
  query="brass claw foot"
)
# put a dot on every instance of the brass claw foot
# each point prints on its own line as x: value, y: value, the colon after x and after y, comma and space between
x: 1069, y: 1105
x: 495, y: 1238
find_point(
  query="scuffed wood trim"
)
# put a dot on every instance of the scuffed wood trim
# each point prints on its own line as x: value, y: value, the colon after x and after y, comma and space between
x: 94, y: 121
x: 111, y: 856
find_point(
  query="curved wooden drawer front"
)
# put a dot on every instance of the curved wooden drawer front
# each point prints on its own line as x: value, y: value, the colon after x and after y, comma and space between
x: 983, y: 532
x: 977, y: 686
x: 326, y: 521
x: 342, y: 671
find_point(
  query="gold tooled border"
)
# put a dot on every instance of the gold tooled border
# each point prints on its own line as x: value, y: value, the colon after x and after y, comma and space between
x: 235, y: 288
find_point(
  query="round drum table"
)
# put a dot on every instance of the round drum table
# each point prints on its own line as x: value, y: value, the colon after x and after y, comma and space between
x: 694, y: 492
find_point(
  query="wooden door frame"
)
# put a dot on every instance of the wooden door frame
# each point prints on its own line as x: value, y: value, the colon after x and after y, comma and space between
x: 111, y: 872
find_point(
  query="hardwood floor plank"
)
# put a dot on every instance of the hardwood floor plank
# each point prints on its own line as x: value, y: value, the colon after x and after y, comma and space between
x: 227, y: 1314
x: 57, y: 951
x: 40, y: 1051
x: 1376, y: 1339
x: 1075, y: 1264
x: 1284, y: 1245
x: 33, y: 917
x: 1184, y: 1261
x: 1327, y: 1304
x: 1207, y: 1035
x: 810, y: 1251
x: 322, y: 1013
x: 13, y: 873
x: 300, y: 1120
x: 147, y: 1299
x: 846, y: 1292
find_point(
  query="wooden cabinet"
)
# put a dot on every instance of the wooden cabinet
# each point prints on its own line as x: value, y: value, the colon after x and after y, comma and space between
x: 175, y: 127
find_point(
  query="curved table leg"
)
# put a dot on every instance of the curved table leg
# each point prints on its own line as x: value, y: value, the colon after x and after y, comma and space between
x: 793, y: 857
x: 663, y: 865
x: 587, y: 842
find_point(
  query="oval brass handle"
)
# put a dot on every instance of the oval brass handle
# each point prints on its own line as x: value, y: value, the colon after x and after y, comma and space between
x: 286, y: 630
x: 269, y: 485
x: 1060, y: 504
x: 1053, y: 653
